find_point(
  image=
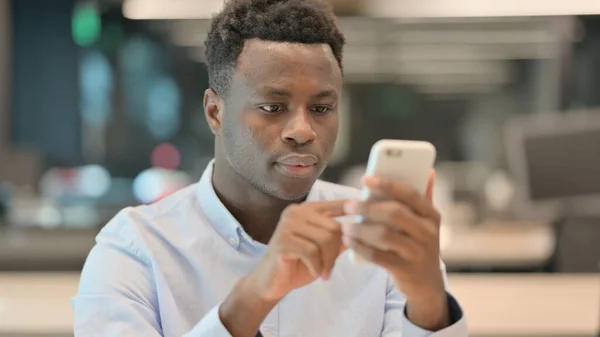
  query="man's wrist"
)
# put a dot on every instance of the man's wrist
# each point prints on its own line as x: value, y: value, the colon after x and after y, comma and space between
x: 243, y: 310
x: 429, y: 311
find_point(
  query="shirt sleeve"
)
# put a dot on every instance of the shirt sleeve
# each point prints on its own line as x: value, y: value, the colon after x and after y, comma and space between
x: 117, y: 296
x: 210, y: 325
x: 397, y: 324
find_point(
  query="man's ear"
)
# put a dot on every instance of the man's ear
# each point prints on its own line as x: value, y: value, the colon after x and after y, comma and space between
x: 213, y: 110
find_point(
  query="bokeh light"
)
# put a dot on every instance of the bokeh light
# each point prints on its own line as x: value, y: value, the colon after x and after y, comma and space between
x: 163, y: 104
x: 86, y: 24
x: 156, y: 183
x: 166, y: 156
x: 93, y: 181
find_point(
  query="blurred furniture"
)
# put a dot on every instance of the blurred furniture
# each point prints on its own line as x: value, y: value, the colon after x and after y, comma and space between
x: 35, y: 249
x: 499, y: 244
x: 579, y: 245
x: 498, y: 305
x: 555, y: 160
x: 20, y: 167
x: 530, y: 305
x: 488, y: 245
x: 37, y: 304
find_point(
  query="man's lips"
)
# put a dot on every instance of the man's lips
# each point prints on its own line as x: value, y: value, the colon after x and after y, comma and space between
x: 297, y: 171
x: 297, y: 166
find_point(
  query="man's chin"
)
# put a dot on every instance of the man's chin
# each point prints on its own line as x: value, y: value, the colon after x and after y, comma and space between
x: 294, y: 190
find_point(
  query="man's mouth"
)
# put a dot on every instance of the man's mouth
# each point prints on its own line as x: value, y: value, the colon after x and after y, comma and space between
x: 297, y: 171
x: 297, y: 166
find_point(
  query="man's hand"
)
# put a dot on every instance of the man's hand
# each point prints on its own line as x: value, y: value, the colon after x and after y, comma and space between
x: 400, y: 232
x: 303, y: 248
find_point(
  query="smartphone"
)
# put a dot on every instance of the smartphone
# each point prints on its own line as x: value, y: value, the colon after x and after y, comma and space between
x: 404, y: 160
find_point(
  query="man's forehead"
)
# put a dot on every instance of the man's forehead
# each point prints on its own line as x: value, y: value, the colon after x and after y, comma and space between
x: 272, y: 55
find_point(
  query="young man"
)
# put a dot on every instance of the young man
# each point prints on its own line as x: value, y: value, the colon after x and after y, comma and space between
x: 254, y: 245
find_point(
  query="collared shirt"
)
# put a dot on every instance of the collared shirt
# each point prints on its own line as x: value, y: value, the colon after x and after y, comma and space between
x: 163, y: 270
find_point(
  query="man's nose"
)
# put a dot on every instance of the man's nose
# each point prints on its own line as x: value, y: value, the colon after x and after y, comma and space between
x: 298, y: 128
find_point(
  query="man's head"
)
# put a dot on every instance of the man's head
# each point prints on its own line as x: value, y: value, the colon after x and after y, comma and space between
x: 275, y: 83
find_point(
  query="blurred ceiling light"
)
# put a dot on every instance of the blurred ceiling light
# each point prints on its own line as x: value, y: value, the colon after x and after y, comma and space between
x: 173, y: 9
x: 479, y: 8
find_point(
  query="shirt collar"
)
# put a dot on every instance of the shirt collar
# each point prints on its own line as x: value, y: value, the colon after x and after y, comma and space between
x: 219, y: 216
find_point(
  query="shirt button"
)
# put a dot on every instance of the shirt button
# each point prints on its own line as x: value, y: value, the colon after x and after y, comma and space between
x: 232, y: 241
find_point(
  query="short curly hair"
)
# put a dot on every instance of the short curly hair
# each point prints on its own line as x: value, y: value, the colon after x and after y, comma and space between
x: 300, y: 21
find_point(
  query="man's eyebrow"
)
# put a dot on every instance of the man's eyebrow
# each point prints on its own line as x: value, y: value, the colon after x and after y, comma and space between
x: 326, y: 94
x: 270, y: 91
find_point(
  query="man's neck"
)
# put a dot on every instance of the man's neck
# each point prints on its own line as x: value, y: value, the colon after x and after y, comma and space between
x: 257, y: 212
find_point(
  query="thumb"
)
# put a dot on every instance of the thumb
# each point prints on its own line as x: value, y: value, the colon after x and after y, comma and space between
x: 430, y: 185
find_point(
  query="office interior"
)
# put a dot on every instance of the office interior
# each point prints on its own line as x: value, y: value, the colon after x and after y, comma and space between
x: 101, y: 109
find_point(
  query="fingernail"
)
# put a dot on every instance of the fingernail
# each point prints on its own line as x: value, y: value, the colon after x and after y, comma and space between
x: 351, y: 207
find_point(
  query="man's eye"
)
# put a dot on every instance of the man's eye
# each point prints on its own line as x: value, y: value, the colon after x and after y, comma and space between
x: 321, y: 109
x: 271, y: 108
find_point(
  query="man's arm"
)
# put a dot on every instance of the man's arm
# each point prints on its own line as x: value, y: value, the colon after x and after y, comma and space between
x: 116, y: 294
x: 397, y: 324
x: 242, y: 312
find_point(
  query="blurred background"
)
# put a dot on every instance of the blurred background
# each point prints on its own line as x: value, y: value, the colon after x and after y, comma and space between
x: 101, y: 108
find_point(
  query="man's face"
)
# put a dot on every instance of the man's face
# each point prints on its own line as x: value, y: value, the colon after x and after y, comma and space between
x: 280, y: 120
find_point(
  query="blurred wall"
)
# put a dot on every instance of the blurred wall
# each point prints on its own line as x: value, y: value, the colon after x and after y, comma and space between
x: 45, y: 83
x: 4, y: 69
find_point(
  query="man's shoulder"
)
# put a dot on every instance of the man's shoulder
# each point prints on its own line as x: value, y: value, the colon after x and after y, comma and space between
x: 332, y: 191
x: 130, y: 221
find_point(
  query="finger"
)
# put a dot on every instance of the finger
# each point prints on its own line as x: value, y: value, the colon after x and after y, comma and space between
x: 385, y: 259
x: 396, y: 215
x: 306, y: 251
x: 384, y: 238
x: 332, y: 209
x: 334, y: 227
x: 430, y: 185
x: 403, y: 193
x: 324, y: 221
x: 327, y: 236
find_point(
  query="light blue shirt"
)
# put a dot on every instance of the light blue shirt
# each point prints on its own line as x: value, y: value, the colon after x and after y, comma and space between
x: 163, y: 270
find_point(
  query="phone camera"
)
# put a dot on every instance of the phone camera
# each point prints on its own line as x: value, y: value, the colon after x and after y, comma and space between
x: 394, y: 152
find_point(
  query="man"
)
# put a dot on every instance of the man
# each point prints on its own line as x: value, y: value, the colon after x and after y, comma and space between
x: 254, y: 246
